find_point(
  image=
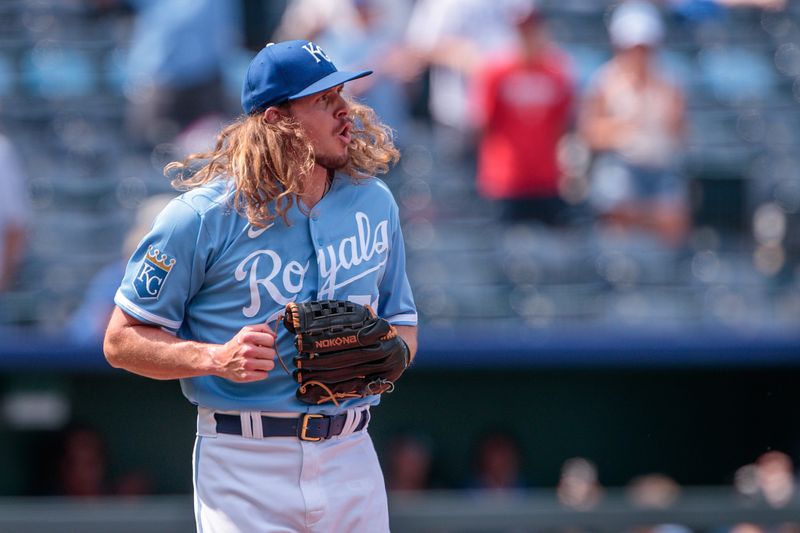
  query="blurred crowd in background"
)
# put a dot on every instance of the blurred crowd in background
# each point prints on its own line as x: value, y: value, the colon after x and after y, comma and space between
x: 564, y: 161
x: 78, y: 464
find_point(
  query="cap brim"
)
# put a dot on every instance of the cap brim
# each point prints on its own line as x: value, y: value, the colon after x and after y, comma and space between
x: 331, y: 80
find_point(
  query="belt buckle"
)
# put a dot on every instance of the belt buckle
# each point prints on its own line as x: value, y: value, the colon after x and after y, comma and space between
x: 304, y: 427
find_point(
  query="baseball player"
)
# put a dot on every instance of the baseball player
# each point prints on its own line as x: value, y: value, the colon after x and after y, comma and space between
x: 284, y: 210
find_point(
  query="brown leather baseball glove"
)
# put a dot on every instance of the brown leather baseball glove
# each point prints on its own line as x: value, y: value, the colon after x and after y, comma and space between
x: 344, y: 351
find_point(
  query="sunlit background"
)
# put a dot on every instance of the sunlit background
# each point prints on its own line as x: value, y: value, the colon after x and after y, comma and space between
x: 577, y: 374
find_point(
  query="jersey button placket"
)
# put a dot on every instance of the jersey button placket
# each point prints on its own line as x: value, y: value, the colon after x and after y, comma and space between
x: 313, y: 231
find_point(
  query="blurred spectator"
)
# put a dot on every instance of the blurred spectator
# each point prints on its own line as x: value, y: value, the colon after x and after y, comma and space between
x: 775, y: 476
x: 77, y: 465
x: 364, y: 34
x: 770, y: 479
x: 633, y: 118
x: 88, y: 323
x: 453, y: 37
x: 789, y: 527
x: 175, y: 64
x: 655, y: 491
x: 578, y: 488
x: 82, y: 463
x: 746, y: 528
x: 497, y: 462
x: 745, y: 481
x: 522, y: 107
x: 14, y: 213
x: 72, y: 462
x: 409, y: 459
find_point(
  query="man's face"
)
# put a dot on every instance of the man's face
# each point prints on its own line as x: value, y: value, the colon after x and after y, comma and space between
x: 325, y: 118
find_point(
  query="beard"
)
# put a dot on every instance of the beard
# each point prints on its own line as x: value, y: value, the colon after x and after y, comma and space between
x: 332, y: 162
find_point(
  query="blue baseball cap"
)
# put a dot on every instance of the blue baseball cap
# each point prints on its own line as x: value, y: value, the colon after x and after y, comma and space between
x: 289, y: 70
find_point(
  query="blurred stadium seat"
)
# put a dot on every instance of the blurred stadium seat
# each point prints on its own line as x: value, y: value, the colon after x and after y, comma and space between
x: 56, y: 72
x: 8, y: 78
x: 737, y: 75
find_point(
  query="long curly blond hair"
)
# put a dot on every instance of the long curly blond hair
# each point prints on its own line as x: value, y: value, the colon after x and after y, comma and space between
x: 268, y: 161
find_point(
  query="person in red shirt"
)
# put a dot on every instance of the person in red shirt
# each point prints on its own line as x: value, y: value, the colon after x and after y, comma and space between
x: 522, y: 101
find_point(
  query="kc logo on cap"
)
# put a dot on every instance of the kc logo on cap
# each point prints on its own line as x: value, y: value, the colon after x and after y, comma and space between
x: 315, y: 51
x: 289, y: 70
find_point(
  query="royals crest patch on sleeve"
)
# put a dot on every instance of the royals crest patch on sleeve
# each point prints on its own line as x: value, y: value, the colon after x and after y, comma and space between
x: 153, y: 274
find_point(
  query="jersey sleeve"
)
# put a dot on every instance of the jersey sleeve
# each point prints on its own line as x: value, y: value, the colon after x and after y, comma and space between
x: 166, y: 269
x: 396, y: 302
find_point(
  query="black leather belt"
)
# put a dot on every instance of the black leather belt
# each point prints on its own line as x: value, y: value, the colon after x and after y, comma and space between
x: 308, y: 427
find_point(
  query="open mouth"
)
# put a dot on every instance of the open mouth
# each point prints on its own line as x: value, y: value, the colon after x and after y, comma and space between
x: 344, y: 134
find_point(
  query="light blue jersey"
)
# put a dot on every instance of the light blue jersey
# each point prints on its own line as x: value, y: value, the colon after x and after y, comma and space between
x: 203, y: 272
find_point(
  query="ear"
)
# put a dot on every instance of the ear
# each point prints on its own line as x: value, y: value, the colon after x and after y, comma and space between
x: 274, y: 114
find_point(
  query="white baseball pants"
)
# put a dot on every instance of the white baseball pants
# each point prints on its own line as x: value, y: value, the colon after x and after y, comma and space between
x: 283, y: 484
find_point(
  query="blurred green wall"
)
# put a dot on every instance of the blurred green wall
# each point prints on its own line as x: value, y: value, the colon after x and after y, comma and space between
x: 696, y: 425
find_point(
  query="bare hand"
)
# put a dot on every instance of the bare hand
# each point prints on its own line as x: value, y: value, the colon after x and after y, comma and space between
x: 248, y: 356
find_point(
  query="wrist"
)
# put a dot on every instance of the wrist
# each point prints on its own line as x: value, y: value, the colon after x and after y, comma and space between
x: 209, y: 361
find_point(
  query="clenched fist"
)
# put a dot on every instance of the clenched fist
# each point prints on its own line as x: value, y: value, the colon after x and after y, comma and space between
x: 248, y: 356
